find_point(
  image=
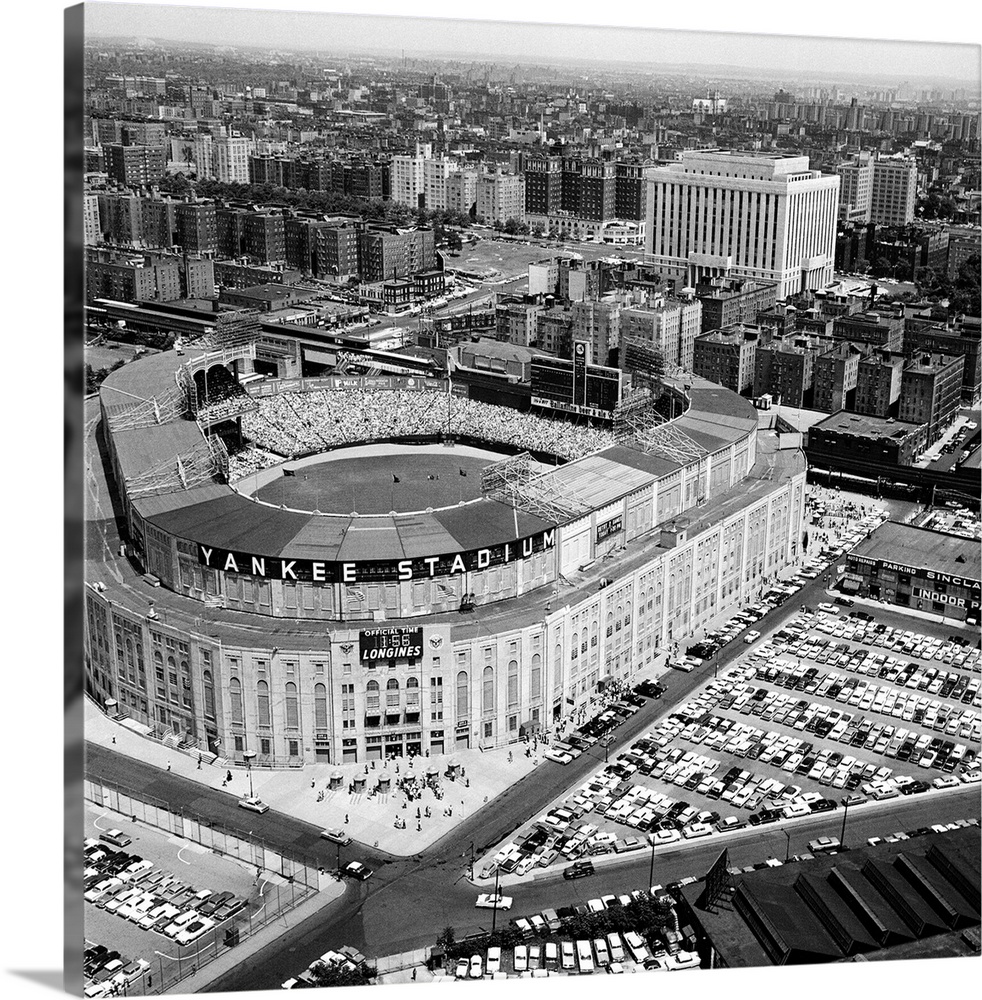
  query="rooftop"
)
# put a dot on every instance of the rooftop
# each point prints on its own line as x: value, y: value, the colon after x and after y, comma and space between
x: 924, y: 549
x: 856, y: 424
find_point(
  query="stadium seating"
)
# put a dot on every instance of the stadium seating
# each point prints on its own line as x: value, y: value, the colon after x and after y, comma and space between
x: 293, y: 424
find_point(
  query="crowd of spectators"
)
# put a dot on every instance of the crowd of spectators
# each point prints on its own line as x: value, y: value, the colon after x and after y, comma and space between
x: 249, y: 461
x: 301, y: 423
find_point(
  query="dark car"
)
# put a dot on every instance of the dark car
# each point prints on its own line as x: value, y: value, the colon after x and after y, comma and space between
x: 823, y: 805
x: 845, y: 602
x: 579, y: 869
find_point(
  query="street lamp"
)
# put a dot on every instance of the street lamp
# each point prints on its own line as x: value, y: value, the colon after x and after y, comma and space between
x: 787, y: 853
x: 497, y: 896
x: 651, y: 869
x: 842, y: 833
x: 249, y: 756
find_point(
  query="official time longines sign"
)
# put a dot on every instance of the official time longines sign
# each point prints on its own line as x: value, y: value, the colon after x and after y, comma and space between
x: 397, y: 642
x: 376, y: 571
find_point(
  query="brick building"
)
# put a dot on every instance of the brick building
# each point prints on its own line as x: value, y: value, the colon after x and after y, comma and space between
x: 728, y: 356
x: 930, y: 391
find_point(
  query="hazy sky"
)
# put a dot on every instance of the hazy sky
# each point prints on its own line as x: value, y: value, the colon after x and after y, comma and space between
x: 822, y: 56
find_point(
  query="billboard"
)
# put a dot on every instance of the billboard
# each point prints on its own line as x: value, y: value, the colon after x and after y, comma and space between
x: 397, y: 642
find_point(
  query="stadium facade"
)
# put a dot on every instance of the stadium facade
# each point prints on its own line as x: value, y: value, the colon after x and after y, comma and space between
x: 235, y: 626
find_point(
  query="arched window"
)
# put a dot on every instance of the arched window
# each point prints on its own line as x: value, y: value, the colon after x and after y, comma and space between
x: 262, y: 698
x: 392, y: 693
x: 209, y: 686
x: 557, y: 670
x: 235, y: 693
x: 512, y: 683
x: 320, y: 706
x: 412, y: 692
x: 372, y: 696
x: 487, y: 690
x: 574, y: 648
x: 536, y: 677
x: 463, y: 699
x: 292, y: 707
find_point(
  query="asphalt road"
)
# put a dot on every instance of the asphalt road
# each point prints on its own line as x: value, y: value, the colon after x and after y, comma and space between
x: 409, y: 901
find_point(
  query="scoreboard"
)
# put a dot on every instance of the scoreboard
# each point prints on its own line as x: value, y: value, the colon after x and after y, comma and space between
x: 576, y: 386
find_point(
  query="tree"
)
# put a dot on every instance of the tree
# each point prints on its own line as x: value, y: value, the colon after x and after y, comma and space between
x: 965, y: 290
x: 341, y: 975
x: 650, y: 916
x: 861, y: 265
x: 447, y: 938
x: 454, y: 242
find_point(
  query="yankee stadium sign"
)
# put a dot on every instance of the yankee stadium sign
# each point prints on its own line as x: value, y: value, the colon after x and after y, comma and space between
x: 374, y: 571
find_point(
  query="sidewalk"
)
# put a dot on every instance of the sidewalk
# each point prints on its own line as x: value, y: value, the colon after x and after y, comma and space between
x: 369, y: 819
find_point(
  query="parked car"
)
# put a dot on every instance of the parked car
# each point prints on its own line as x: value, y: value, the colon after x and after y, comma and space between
x: 359, y: 871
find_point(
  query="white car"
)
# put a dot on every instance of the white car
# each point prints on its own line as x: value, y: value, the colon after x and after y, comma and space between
x: 665, y: 836
x: 463, y: 967
x: 494, y: 961
x: 254, y: 804
x: 828, y: 608
x: 490, y: 901
x: 194, y: 930
x: 751, y: 637
x: 521, y: 958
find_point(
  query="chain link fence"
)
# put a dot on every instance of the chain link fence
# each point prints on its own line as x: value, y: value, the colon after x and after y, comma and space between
x: 171, y: 963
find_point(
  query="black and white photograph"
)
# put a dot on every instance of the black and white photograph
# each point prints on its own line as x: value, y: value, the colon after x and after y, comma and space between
x: 527, y: 501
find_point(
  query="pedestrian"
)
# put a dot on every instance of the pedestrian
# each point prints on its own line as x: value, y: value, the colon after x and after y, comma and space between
x: 311, y: 782
x: 414, y: 975
x: 168, y: 765
x: 114, y: 740
x: 224, y: 783
x: 346, y: 817
x: 199, y: 763
x: 228, y: 777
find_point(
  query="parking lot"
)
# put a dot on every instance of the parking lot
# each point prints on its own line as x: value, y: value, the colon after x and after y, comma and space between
x: 833, y: 707
x: 166, y: 878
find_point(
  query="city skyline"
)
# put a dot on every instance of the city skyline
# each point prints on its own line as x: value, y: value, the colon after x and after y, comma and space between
x: 722, y: 52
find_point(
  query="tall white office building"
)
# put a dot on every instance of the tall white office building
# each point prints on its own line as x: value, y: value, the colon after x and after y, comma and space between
x: 765, y: 217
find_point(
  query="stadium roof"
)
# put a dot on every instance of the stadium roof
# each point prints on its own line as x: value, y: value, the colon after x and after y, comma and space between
x: 923, y: 548
x: 142, y: 380
x: 217, y: 516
